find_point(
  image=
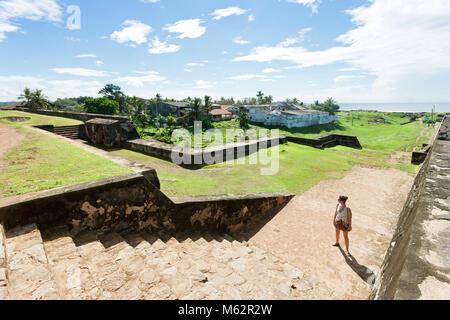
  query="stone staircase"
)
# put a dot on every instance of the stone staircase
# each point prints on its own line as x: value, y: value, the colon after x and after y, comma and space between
x: 54, y: 264
x: 71, y: 132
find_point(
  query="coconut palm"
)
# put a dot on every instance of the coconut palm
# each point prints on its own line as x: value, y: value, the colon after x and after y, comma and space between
x: 26, y: 95
x: 38, y: 100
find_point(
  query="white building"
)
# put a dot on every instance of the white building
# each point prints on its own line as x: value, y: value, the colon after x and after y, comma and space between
x: 288, y: 115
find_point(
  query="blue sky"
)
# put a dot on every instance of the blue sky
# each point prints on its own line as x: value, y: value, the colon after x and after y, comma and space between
x: 352, y: 50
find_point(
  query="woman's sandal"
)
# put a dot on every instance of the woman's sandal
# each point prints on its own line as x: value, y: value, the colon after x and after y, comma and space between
x: 336, y: 245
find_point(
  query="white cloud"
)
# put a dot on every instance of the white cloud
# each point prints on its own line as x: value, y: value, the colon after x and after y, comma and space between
x: 392, y: 39
x: 240, y: 41
x: 288, y: 42
x: 202, y: 84
x: 13, y: 10
x: 344, y: 78
x: 99, y: 62
x: 149, y: 1
x: 251, y: 18
x: 82, y: 72
x: 72, y: 88
x: 195, y: 64
x: 348, y: 69
x: 222, y: 13
x: 187, y: 28
x: 270, y: 70
x: 313, y: 4
x: 87, y: 55
x: 12, y: 86
x: 158, y: 47
x: 139, y: 81
x: 247, y: 77
x: 132, y: 31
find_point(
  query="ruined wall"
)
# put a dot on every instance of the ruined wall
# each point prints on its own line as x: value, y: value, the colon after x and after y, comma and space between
x: 230, y: 151
x: 109, y: 133
x: 133, y: 202
x: 328, y: 141
x: 416, y: 265
x: 80, y: 116
x: 292, y: 120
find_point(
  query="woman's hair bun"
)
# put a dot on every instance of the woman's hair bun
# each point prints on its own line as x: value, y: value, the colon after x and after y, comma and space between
x: 343, y: 198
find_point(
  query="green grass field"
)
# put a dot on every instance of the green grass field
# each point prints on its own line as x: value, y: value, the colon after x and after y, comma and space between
x: 42, y: 162
x: 37, y: 119
x: 394, y: 136
x: 301, y: 167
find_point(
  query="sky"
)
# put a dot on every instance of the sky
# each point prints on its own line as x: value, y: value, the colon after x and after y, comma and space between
x: 351, y: 50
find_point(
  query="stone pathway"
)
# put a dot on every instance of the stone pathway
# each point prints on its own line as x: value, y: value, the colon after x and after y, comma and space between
x: 302, y: 233
x: 58, y: 265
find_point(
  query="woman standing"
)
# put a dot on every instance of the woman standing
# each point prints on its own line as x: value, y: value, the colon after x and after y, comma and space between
x: 342, y: 221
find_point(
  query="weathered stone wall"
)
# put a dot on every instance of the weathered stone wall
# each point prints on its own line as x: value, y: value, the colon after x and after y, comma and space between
x: 74, y: 115
x: 416, y: 265
x: 109, y: 133
x: 291, y: 120
x: 133, y: 202
x: 230, y: 151
x: 328, y: 141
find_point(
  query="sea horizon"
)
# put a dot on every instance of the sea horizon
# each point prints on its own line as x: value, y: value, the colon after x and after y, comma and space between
x: 397, y: 106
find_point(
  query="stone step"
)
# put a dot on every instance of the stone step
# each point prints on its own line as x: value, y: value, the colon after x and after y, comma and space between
x: 108, y: 274
x: 146, y: 265
x: 68, y: 268
x: 28, y: 269
x: 3, y: 273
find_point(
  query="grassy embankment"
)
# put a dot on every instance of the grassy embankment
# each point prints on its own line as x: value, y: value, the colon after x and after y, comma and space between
x: 41, y: 162
x: 301, y: 167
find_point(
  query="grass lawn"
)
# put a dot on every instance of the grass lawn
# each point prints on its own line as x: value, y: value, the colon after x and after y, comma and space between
x: 37, y: 119
x: 390, y: 137
x: 42, y: 162
x: 301, y: 167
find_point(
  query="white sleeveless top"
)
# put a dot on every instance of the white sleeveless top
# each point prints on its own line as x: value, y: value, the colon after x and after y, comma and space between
x: 342, y: 214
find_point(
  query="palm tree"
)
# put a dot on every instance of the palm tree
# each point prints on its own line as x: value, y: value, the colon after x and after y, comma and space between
x: 38, y: 100
x: 260, y: 97
x: 196, y: 109
x: 26, y: 95
x: 208, y: 103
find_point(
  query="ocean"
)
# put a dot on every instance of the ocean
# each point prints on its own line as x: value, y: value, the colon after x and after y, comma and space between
x: 396, y: 107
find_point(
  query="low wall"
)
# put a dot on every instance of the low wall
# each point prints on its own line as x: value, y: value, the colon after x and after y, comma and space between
x: 416, y: 263
x: 74, y: 115
x: 328, y: 141
x: 418, y: 157
x: 131, y: 201
x: 196, y: 157
x: 51, y: 128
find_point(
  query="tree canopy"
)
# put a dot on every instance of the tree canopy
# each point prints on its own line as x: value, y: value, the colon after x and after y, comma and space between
x: 101, y: 106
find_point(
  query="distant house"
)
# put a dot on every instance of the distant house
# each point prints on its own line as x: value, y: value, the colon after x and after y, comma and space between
x: 221, y: 114
x: 12, y: 106
x: 288, y: 115
x: 178, y: 109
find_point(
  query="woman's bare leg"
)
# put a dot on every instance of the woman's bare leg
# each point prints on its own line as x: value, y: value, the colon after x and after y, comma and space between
x: 347, y: 242
x: 338, y: 234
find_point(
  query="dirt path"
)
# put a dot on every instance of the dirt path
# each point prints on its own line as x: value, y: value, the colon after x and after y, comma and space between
x: 9, y: 138
x: 302, y: 233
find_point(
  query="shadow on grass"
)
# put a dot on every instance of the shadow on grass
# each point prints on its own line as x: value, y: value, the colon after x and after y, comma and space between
x: 316, y: 129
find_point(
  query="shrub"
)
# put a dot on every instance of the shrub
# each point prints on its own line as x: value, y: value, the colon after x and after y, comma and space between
x: 101, y: 106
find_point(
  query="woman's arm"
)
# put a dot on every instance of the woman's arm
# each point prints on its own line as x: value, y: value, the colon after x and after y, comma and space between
x: 350, y: 219
x: 335, y: 214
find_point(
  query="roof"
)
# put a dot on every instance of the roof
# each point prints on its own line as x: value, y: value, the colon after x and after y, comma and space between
x: 220, y: 112
x: 177, y: 104
x: 12, y: 106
